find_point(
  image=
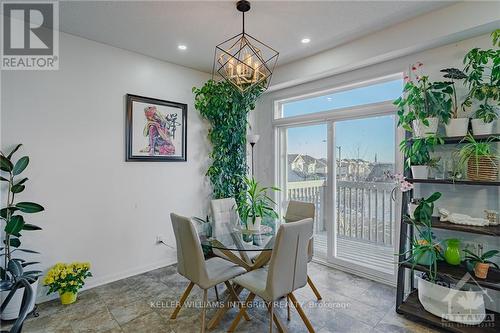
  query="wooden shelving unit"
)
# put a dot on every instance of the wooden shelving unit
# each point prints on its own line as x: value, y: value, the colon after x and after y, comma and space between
x: 410, y: 306
x: 453, y: 182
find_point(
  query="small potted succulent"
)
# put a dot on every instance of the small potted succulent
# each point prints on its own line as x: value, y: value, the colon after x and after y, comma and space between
x: 418, y: 152
x: 480, y: 159
x: 257, y: 204
x: 480, y: 264
x: 482, y: 68
x: 455, y: 126
x: 423, y: 103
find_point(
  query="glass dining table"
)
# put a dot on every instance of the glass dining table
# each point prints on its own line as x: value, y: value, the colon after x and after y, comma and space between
x: 249, y: 248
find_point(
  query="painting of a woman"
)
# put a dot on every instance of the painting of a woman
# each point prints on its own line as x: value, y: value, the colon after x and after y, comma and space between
x: 156, y: 130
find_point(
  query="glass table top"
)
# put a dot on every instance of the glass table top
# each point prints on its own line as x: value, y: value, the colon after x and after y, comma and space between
x: 236, y: 237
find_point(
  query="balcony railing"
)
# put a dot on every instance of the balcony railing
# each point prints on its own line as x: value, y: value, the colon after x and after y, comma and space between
x: 365, y: 210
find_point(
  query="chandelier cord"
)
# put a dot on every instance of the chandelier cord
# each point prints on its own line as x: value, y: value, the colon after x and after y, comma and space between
x: 243, y: 23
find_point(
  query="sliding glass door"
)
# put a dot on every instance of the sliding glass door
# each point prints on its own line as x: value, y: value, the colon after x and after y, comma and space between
x: 365, y: 213
x: 306, y: 174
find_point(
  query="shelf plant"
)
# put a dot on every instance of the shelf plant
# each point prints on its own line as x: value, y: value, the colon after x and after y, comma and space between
x: 424, y: 249
x: 12, y: 215
x: 482, y: 68
x: 480, y: 158
x: 455, y: 126
x: 480, y: 264
x: 418, y: 155
x: 258, y: 204
x: 423, y: 103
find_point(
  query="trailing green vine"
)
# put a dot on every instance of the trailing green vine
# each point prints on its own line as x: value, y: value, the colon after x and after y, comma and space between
x: 226, y: 109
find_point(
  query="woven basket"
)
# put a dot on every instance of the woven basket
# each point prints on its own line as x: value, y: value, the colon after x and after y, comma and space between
x: 486, y: 169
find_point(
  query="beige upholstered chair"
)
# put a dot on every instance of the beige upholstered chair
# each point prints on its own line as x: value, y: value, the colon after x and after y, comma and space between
x: 192, y: 265
x: 286, y: 273
x: 296, y: 211
x: 225, y: 214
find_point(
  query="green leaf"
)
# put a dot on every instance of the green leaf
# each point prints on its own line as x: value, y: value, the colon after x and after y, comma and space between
x: 3, y: 211
x: 15, y: 268
x: 17, y: 188
x: 5, y: 164
x: 29, y: 207
x: 14, y: 150
x: 14, y: 242
x: 490, y: 254
x: 3, y: 179
x: 15, y: 225
x: 31, y: 227
x: 22, y: 181
x: 28, y: 251
x: 21, y: 164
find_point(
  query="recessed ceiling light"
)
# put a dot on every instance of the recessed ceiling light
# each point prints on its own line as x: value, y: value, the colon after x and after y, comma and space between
x: 182, y: 47
x: 305, y: 40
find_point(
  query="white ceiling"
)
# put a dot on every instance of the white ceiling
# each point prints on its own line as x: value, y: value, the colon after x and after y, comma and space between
x: 155, y: 28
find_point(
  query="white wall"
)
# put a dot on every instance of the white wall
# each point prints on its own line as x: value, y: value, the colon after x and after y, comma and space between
x: 100, y: 208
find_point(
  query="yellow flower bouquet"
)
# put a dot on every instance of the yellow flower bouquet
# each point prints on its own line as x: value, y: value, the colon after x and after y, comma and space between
x: 67, y: 279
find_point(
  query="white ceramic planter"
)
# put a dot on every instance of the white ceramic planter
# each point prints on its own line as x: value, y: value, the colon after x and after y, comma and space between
x: 424, y: 131
x: 479, y: 127
x: 12, y: 310
x: 420, y: 171
x: 254, y: 226
x: 466, y: 307
x: 457, y: 127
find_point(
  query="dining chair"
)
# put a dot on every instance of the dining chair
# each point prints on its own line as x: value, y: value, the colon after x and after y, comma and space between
x: 296, y: 211
x: 286, y: 273
x: 192, y: 265
x: 225, y: 216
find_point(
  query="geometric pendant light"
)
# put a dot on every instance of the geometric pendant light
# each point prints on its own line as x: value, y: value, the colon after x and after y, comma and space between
x: 243, y: 60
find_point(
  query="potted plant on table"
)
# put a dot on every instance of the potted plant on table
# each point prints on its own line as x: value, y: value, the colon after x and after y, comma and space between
x: 418, y: 152
x: 67, y: 279
x: 423, y: 104
x: 482, y: 68
x: 480, y: 158
x: 13, y: 268
x: 257, y: 204
x: 480, y: 264
x: 434, y: 291
x: 455, y: 126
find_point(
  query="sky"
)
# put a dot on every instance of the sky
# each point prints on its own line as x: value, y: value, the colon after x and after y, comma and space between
x: 359, y: 138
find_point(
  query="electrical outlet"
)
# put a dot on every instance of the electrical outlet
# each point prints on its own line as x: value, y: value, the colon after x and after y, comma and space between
x: 159, y: 239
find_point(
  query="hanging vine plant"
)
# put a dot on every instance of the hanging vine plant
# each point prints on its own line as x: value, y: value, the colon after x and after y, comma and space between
x: 226, y: 109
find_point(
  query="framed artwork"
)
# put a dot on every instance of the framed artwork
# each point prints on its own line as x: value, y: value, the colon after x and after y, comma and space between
x: 156, y: 130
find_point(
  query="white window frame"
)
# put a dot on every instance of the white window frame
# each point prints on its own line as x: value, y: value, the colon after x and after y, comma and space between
x: 329, y: 117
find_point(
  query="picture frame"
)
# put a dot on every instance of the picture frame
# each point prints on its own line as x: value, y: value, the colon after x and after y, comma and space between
x: 155, y: 130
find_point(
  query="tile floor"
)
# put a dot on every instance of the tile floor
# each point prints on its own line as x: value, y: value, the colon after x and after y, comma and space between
x: 142, y: 303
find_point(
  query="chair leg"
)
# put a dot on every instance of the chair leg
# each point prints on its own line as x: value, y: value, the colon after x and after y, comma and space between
x: 182, y: 300
x: 287, y: 308
x: 301, y: 313
x: 236, y: 298
x: 216, y: 293
x: 236, y: 320
x: 204, y: 310
x: 314, y: 289
x: 271, y: 317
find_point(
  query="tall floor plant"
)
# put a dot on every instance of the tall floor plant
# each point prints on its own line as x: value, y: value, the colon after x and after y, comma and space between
x: 227, y: 109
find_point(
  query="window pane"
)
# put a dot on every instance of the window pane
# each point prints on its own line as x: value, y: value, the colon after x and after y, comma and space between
x: 380, y: 92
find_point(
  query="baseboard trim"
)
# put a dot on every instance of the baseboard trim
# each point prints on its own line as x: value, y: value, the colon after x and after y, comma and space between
x: 96, y: 282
